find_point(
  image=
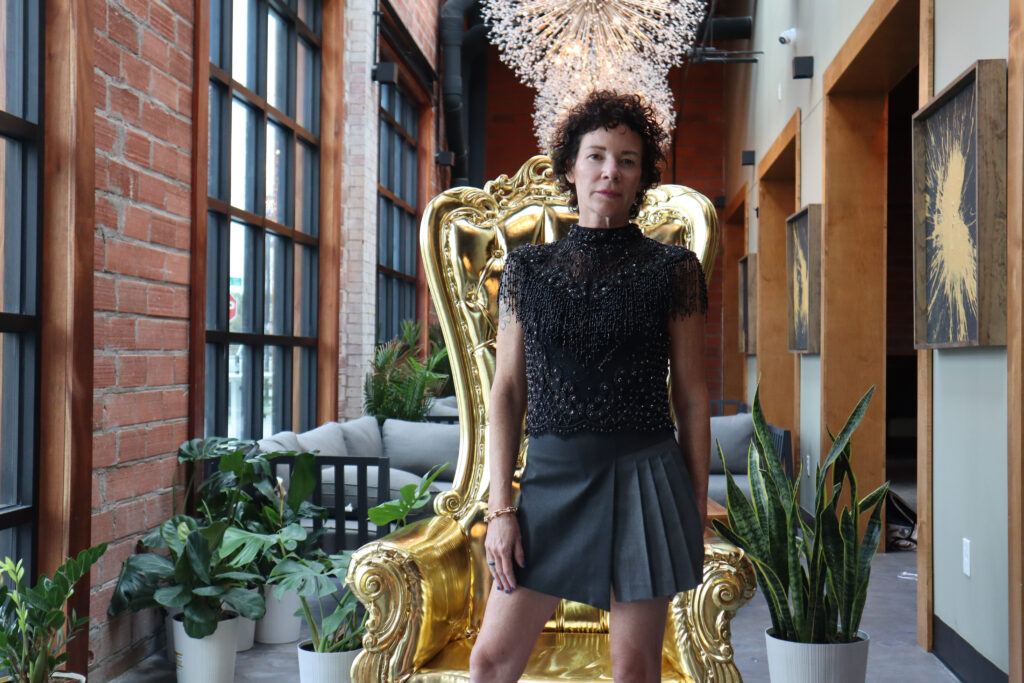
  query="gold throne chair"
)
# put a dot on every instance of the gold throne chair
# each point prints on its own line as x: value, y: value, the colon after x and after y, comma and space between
x: 425, y: 586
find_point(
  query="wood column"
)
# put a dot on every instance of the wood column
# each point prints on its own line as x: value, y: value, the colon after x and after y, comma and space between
x: 66, y: 337
x: 734, y: 246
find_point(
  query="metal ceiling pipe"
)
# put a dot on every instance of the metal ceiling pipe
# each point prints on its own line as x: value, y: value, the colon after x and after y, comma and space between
x: 452, y: 22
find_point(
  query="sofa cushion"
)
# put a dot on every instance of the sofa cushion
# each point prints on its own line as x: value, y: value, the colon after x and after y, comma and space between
x: 717, y: 486
x: 327, y: 439
x: 734, y: 433
x: 362, y: 436
x: 282, y: 441
x: 446, y: 405
x: 418, y: 446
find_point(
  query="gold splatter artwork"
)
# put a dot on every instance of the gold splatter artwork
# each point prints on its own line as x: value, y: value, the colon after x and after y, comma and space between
x: 951, y: 252
x: 801, y: 283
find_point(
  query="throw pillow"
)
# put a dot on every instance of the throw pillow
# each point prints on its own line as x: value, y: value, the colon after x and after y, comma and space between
x: 327, y: 439
x: 735, y: 433
x: 362, y: 437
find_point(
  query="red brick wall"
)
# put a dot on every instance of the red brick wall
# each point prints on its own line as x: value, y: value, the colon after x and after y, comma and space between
x: 420, y: 19
x: 697, y: 153
x: 143, y: 90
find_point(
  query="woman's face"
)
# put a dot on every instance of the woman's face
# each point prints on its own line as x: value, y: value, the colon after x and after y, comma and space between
x: 607, y: 174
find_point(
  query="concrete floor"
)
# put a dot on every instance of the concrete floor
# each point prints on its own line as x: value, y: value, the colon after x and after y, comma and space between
x: 889, y: 618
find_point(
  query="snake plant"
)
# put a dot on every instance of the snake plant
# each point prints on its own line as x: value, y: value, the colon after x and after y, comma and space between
x: 814, y: 576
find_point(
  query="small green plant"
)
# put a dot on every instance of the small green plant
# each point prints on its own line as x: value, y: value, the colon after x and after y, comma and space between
x: 398, y: 384
x: 33, y: 628
x: 413, y: 496
x: 814, y: 576
x: 196, y: 576
x: 341, y: 628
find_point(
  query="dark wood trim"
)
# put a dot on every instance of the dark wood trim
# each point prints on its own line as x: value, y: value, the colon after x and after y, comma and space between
x: 1015, y: 338
x: 252, y: 339
x: 66, y: 336
x: 396, y: 199
x: 254, y: 219
x: 257, y: 101
x: 200, y: 171
x: 16, y: 127
x: 331, y: 127
x: 391, y: 272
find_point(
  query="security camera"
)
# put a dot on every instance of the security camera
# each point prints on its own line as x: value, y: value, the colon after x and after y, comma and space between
x: 787, y: 36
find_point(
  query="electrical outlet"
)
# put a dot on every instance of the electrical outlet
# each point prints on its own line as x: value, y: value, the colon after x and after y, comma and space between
x: 967, y: 556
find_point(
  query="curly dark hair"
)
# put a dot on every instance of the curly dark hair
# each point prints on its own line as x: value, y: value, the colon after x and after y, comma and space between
x: 608, y: 109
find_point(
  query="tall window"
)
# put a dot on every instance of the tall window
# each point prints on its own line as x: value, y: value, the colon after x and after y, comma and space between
x: 263, y: 209
x: 20, y: 204
x: 396, y: 218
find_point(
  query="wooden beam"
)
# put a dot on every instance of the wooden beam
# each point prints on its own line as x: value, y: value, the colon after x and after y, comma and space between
x: 66, y: 337
x: 197, y: 263
x: 328, y: 289
x: 734, y: 243
x: 1014, y: 336
x: 925, y: 558
x: 777, y: 198
x: 877, y: 53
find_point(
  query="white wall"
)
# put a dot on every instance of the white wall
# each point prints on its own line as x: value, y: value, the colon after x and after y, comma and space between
x: 969, y: 432
x: 969, y: 384
x: 969, y: 497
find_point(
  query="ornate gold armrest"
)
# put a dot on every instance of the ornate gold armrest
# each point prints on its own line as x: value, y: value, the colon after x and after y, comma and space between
x: 699, y: 619
x: 415, y: 586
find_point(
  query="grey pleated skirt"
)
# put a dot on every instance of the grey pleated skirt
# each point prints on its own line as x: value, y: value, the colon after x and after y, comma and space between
x: 598, y: 511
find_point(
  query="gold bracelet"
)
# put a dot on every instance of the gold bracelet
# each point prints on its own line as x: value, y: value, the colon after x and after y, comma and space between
x: 499, y: 513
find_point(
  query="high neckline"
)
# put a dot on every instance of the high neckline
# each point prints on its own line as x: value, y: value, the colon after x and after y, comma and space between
x: 620, y: 235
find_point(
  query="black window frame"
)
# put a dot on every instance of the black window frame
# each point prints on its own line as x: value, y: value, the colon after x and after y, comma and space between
x: 20, y: 398
x: 222, y: 216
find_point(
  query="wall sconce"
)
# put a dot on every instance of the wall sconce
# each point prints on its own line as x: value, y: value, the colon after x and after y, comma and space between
x: 803, y: 67
x: 385, y: 72
x: 747, y: 157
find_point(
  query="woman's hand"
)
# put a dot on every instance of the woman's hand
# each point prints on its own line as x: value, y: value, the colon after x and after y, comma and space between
x: 504, y: 542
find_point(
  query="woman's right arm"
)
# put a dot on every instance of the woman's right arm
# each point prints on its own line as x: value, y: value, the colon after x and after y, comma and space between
x: 507, y: 407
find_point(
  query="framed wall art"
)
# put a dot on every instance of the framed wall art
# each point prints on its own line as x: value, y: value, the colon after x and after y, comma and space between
x: 803, y: 279
x: 747, y: 323
x: 959, y: 167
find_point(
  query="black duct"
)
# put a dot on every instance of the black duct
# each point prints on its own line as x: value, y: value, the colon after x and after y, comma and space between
x: 453, y: 20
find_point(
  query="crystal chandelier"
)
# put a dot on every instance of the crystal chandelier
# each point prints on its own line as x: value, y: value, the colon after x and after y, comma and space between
x: 566, y: 48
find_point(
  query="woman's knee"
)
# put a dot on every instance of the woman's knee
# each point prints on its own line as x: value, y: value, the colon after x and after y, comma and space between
x: 486, y: 664
x: 636, y: 665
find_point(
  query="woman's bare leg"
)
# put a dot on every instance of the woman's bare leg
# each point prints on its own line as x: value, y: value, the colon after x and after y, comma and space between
x: 512, y: 622
x: 637, y: 632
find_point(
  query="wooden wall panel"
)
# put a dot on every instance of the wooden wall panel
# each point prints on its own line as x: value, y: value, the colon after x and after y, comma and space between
x: 1014, y: 335
x: 734, y: 246
x: 66, y: 344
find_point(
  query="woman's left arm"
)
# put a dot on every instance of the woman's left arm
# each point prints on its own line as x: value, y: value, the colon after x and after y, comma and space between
x: 690, y: 401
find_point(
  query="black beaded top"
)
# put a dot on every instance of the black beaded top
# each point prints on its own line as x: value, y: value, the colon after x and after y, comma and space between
x: 594, y: 308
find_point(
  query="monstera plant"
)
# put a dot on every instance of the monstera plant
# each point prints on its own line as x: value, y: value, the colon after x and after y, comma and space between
x: 813, y: 574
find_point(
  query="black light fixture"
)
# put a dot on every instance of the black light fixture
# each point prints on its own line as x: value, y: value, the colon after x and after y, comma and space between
x: 444, y: 158
x: 386, y: 72
x: 803, y: 67
x: 747, y: 157
x: 719, y: 201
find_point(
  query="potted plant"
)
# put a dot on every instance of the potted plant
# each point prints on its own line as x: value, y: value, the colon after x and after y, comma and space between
x: 814, y: 576
x: 33, y: 627
x: 336, y: 640
x: 197, y: 578
x: 400, y: 386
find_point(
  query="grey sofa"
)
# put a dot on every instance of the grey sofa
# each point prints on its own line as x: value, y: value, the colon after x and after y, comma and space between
x: 412, y: 449
x: 735, y: 433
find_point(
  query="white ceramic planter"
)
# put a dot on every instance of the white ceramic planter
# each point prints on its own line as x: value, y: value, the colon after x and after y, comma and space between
x: 324, y: 667
x: 245, y: 632
x: 246, y: 629
x: 169, y: 612
x: 205, y: 660
x: 279, y: 625
x: 790, y: 662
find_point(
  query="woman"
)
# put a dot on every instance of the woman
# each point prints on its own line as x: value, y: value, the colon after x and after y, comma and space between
x: 612, y: 509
